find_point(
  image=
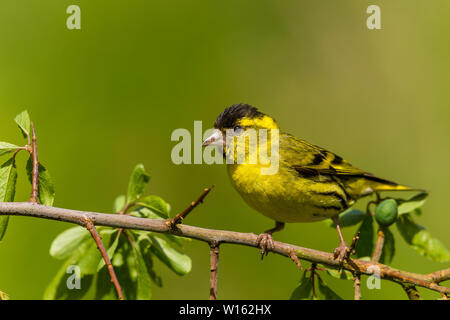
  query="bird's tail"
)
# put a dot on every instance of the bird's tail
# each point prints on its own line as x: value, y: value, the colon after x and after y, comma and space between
x: 379, y: 184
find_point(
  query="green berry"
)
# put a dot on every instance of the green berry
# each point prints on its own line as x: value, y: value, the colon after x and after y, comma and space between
x: 386, y: 212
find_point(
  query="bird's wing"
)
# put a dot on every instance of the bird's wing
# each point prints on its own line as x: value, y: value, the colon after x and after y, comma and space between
x: 310, y: 159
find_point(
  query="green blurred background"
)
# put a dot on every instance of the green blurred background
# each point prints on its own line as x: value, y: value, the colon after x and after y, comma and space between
x: 108, y: 96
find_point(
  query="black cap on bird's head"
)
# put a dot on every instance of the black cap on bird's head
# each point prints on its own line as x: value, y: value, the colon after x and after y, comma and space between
x: 239, y: 117
x: 231, y: 115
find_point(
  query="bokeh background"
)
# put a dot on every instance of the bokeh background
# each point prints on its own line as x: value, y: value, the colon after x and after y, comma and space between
x: 108, y: 96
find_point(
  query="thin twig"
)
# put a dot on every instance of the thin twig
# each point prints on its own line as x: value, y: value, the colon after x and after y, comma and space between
x: 35, y: 172
x: 412, y: 292
x: 126, y: 208
x: 379, y: 246
x: 90, y: 226
x: 430, y: 281
x: 313, y: 273
x: 357, y: 285
x: 294, y: 258
x: 180, y: 217
x: 214, y: 265
x: 352, y: 249
x: 17, y: 152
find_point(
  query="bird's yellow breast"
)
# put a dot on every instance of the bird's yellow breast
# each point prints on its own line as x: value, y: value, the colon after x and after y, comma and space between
x: 283, y: 196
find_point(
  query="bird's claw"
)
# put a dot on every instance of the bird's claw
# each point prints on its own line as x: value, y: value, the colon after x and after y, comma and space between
x: 342, y: 253
x: 265, y: 242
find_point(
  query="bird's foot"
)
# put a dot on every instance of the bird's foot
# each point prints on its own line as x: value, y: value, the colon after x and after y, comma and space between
x: 265, y: 242
x: 342, y: 253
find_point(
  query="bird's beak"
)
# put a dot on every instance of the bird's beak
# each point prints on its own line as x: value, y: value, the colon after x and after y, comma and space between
x: 215, y: 139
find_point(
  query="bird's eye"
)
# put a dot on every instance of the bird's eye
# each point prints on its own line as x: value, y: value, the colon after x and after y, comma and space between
x: 237, y: 129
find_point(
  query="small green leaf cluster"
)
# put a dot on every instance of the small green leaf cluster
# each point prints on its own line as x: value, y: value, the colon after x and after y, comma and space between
x: 306, y: 289
x: 8, y: 172
x: 399, y: 212
x: 132, y: 253
x: 387, y: 213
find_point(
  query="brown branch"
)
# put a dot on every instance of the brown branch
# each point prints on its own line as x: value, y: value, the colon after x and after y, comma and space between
x: 379, y: 246
x: 441, y: 275
x: 180, y: 217
x: 90, y: 226
x: 357, y: 285
x: 35, y: 172
x: 214, y: 265
x: 28, y: 209
x: 412, y: 292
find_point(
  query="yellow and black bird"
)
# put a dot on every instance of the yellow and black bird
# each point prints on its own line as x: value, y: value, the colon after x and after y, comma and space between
x: 311, y: 183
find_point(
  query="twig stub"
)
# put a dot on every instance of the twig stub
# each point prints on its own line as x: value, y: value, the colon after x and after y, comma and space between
x: 357, y: 285
x: 35, y: 173
x: 214, y: 265
x: 179, y: 217
x: 87, y: 222
x: 379, y: 246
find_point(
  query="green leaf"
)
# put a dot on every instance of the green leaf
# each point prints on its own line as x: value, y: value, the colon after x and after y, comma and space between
x: 304, y: 290
x: 340, y: 274
x: 418, y: 212
x: 156, y: 204
x: 325, y: 292
x: 148, y: 257
x: 8, y: 179
x: 6, y: 147
x: 119, y: 203
x: 413, y: 203
x: 46, y: 187
x: 349, y: 217
x: 144, y: 290
x: 126, y: 272
x: 67, y: 242
x: 57, y: 289
x: 91, y: 260
x: 178, y: 241
x: 143, y: 212
x: 118, y: 259
x: 364, y: 246
x: 421, y: 240
x: 104, y: 288
x: 180, y: 263
x: 138, y: 181
x: 24, y: 123
x: 388, y: 247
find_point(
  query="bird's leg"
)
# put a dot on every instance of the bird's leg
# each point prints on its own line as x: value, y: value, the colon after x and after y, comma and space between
x: 343, y: 250
x: 265, y: 239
